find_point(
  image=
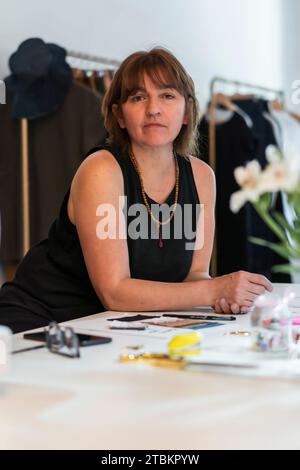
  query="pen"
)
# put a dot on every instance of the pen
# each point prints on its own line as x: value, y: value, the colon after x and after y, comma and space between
x: 223, y: 364
x: 29, y: 349
x: 201, y: 317
x: 135, y: 328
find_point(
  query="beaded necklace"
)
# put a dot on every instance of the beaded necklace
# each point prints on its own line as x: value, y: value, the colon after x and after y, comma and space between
x: 158, y: 222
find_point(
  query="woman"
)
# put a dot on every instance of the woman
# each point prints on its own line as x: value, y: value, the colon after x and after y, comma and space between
x: 151, y: 114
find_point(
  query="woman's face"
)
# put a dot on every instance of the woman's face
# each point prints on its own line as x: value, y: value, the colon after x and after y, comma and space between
x: 153, y: 115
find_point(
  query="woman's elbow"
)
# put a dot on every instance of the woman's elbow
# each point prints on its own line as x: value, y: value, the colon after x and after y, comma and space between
x: 109, y: 299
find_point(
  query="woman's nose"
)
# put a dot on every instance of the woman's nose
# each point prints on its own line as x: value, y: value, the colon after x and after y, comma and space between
x: 153, y: 107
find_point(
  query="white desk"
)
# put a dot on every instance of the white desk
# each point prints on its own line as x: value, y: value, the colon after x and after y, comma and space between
x: 51, y: 402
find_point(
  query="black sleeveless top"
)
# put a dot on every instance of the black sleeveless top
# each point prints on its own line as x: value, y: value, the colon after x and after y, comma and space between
x: 52, y: 280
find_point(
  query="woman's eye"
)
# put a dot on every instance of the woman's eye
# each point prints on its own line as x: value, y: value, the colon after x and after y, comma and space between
x: 136, y: 98
x: 168, y: 96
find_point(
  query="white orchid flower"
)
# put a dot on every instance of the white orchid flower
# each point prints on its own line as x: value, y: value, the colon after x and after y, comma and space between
x: 283, y: 171
x: 278, y: 177
x: 239, y: 198
x: 248, y: 176
x: 281, y: 174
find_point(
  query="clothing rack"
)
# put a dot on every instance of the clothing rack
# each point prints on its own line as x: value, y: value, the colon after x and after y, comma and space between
x: 254, y: 90
x: 73, y: 56
x: 237, y: 84
x: 92, y: 66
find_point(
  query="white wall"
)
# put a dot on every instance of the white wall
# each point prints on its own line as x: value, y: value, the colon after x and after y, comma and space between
x: 237, y: 39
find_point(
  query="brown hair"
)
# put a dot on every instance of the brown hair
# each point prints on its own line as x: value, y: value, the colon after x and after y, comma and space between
x: 159, y: 64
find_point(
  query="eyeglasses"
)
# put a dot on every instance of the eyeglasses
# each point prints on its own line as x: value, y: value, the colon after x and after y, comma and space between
x: 62, y: 341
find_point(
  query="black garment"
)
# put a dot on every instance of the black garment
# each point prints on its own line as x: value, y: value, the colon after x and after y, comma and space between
x: 261, y: 259
x: 52, y: 282
x: 236, y: 144
x: 234, y: 147
x: 57, y: 143
x: 262, y: 130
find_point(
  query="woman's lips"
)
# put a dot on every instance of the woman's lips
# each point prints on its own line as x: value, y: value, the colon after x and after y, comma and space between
x: 154, y: 125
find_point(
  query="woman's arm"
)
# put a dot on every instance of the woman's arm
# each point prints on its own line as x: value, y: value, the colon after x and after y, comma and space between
x: 140, y: 295
x: 99, y: 181
x: 206, y: 187
x: 247, y: 285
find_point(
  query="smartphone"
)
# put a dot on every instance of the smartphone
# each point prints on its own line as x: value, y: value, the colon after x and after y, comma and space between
x: 84, y: 340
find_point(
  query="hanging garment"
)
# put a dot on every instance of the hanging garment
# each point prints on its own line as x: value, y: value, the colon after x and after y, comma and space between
x: 52, y: 281
x: 56, y: 145
x: 290, y: 129
x: 222, y: 115
x: 262, y: 129
x: 261, y: 259
x: 235, y: 145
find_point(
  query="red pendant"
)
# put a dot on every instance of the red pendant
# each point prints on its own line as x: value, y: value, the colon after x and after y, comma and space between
x: 160, y: 243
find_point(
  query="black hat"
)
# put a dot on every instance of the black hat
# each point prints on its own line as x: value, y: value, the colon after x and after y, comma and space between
x: 40, y: 79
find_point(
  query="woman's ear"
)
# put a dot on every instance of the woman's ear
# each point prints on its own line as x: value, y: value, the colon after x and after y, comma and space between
x: 187, y: 111
x: 117, y: 112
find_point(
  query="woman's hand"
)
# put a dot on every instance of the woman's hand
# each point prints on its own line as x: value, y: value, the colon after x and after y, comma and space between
x: 239, y: 290
x: 222, y: 306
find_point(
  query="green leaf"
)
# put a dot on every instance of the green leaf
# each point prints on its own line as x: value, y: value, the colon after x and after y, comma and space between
x: 293, y: 231
x: 285, y: 268
x: 271, y: 223
x: 265, y: 201
x: 294, y: 200
x: 278, y: 248
x: 282, y: 220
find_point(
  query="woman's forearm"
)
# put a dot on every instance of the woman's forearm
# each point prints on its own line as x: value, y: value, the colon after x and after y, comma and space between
x: 197, y: 276
x: 141, y: 295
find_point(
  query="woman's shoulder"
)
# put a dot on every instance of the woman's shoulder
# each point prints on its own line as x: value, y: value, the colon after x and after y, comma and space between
x: 200, y: 168
x: 204, y: 177
x: 97, y: 163
x: 104, y: 154
x: 99, y: 157
x: 98, y: 174
x: 112, y: 148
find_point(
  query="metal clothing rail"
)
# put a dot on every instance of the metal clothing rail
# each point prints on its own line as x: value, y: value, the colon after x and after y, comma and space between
x: 250, y: 86
x: 255, y: 90
x: 237, y: 84
x: 92, y: 58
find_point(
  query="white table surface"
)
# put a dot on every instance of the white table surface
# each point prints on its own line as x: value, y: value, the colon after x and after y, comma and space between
x: 51, y: 402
